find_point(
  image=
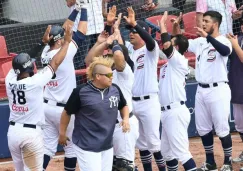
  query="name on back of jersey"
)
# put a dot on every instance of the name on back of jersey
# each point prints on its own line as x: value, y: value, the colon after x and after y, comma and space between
x: 18, y: 105
x: 17, y: 86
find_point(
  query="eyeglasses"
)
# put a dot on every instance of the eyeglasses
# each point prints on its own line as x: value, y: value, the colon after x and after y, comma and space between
x: 108, y: 75
x: 134, y: 31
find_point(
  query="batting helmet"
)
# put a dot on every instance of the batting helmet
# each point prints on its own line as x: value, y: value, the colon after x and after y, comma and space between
x: 23, y: 63
x: 57, y: 32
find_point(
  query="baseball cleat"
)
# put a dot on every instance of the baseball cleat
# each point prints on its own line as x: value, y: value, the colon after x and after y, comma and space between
x: 208, y: 167
x: 226, y: 167
x: 80, y: 4
x: 238, y: 159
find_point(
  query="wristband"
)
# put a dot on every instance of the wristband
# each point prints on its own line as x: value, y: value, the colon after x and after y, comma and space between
x: 165, y: 37
x: 116, y: 47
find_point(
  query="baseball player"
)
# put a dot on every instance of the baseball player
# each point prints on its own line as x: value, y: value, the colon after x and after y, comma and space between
x: 25, y: 94
x: 124, y: 143
x: 144, y: 52
x: 175, y: 116
x: 212, y: 104
x: 58, y: 90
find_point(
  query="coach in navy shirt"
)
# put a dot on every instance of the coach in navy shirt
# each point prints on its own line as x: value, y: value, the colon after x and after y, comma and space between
x: 236, y: 83
x: 95, y: 105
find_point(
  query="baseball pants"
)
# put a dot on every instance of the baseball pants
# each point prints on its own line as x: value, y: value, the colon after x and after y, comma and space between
x: 94, y: 161
x: 174, y: 139
x: 148, y: 115
x: 238, y: 115
x: 26, y: 147
x: 212, y: 108
x: 124, y: 143
x: 51, y: 131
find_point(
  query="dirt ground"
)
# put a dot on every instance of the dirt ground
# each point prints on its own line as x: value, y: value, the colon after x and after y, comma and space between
x: 196, y: 149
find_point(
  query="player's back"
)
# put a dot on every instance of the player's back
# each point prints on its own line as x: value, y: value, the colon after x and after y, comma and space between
x: 26, y: 98
x: 64, y: 81
x: 172, y: 79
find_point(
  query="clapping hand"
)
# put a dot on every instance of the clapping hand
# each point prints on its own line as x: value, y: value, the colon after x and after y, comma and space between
x: 111, y: 16
x: 233, y: 39
x: 130, y: 19
x: 201, y: 32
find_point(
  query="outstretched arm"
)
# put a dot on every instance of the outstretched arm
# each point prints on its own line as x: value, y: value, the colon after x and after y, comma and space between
x: 59, y: 57
x: 98, y: 48
x: 147, y: 38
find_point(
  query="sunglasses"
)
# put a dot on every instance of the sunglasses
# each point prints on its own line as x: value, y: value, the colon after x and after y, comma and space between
x: 133, y: 31
x: 108, y: 75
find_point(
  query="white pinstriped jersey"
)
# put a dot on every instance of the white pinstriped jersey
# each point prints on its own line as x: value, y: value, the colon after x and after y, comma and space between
x: 172, y: 79
x: 145, y: 70
x: 64, y: 81
x: 26, y: 96
x: 211, y: 67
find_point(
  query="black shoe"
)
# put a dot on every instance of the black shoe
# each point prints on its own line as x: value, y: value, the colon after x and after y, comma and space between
x: 208, y: 167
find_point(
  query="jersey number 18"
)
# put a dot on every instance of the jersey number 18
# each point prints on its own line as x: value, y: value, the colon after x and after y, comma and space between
x: 20, y: 97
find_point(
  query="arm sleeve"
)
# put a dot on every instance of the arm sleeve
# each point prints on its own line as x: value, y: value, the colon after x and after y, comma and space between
x: 78, y: 37
x: 73, y: 104
x: 224, y: 50
x: 122, y: 101
x: 147, y: 38
x: 169, y: 51
x: 43, y: 76
x: 201, y: 6
x: 33, y: 52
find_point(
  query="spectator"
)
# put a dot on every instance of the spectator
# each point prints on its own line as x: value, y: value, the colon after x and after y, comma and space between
x: 225, y: 7
x: 95, y: 27
x: 95, y: 105
x: 236, y: 83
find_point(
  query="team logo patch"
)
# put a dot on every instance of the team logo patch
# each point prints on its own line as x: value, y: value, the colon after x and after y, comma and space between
x: 211, y: 55
x: 140, y: 61
x: 113, y: 101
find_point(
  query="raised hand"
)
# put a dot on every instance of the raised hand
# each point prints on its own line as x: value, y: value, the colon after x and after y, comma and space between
x: 46, y: 38
x: 163, y: 19
x: 68, y: 34
x: 102, y: 37
x: 233, y: 39
x: 176, y: 21
x: 130, y: 19
x: 118, y: 22
x: 201, y: 32
x: 111, y: 16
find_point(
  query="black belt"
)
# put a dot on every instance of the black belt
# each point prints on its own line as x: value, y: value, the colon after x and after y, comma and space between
x: 141, y: 98
x: 130, y: 115
x: 169, y: 107
x: 24, y: 125
x: 57, y: 104
x: 208, y: 86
